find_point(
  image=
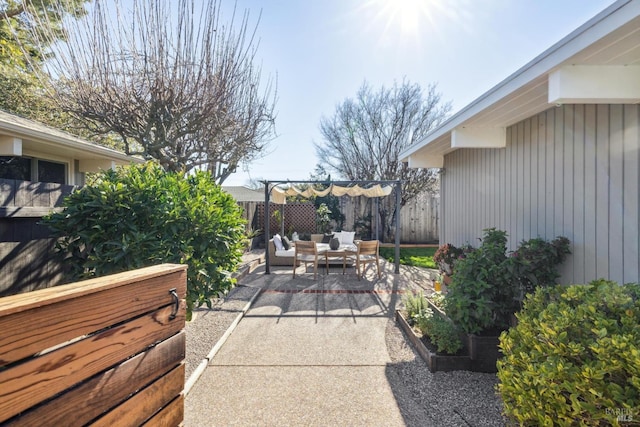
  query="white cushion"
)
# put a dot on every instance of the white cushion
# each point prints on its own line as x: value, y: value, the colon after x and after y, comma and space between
x: 289, y: 253
x: 277, y: 241
x: 346, y: 237
x: 352, y: 247
x: 322, y: 247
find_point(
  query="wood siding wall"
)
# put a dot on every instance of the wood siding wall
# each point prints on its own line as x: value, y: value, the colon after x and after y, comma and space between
x: 106, y: 351
x: 570, y: 171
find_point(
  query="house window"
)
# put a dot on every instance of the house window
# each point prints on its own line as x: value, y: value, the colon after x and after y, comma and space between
x: 52, y: 172
x: 15, y: 168
x: 29, y: 169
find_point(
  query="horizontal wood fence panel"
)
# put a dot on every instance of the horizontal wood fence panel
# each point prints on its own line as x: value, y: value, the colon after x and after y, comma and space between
x: 43, y: 377
x: 149, y: 400
x: 98, y: 395
x: 121, y: 341
x: 59, y: 318
x: 171, y: 415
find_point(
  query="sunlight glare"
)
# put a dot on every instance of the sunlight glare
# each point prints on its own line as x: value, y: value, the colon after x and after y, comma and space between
x: 406, y: 16
x: 407, y: 21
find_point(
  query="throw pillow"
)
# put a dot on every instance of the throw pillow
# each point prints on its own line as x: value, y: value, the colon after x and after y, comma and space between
x: 346, y: 237
x: 327, y: 238
x: 277, y: 241
x: 286, y: 243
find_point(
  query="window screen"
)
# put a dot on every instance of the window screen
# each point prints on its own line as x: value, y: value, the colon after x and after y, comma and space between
x: 52, y: 172
x: 18, y: 168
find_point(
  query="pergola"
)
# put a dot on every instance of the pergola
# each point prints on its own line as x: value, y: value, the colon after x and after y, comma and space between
x: 338, y: 188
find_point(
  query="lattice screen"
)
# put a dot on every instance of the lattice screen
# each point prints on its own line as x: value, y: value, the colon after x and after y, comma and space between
x: 300, y: 217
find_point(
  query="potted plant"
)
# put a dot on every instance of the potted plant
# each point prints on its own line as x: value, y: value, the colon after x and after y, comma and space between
x: 322, y: 218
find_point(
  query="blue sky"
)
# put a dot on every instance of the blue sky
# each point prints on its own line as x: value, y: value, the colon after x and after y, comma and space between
x: 321, y: 51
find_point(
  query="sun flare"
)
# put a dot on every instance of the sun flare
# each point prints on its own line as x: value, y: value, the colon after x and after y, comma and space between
x: 405, y: 17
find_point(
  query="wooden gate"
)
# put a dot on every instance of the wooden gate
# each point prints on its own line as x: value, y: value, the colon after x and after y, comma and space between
x: 106, y: 351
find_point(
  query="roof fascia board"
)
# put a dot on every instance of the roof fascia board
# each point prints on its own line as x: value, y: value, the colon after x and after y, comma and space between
x: 595, y: 84
x: 421, y: 160
x: 10, y: 146
x: 24, y: 132
x: 600, y: 25
x: 476, y: 137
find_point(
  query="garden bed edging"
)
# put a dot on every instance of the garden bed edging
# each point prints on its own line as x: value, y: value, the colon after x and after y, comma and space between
x: 436, y: 362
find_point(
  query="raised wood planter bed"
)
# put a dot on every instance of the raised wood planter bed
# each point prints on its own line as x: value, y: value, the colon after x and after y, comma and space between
x: 435, y: 361
x: 479, y: 353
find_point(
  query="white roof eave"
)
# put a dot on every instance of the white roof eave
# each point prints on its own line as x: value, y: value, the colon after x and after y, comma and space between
x: 607, y: 21
x: 34, y: 132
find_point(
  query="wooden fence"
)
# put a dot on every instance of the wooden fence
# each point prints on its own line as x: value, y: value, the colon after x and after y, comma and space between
x: 418, y: 218
x: 102, y: 352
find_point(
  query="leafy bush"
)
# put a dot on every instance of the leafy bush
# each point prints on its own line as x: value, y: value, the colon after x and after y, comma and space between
x: 574, y: 357
x: 141, y: 215
x: 416, y: 307
x: 480, y: 296
x: 441, y: 332
x: 535, y: 262
x: 488, y: 284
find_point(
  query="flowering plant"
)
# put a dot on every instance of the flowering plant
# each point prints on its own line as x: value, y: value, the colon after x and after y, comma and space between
x: 447, y: 255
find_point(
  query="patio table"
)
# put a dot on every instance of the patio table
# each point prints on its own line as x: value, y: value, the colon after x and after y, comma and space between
x: 337, y: 253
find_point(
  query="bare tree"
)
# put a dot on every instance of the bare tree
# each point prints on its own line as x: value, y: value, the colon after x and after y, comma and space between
x: 169, y: 79
x: 364, y: 137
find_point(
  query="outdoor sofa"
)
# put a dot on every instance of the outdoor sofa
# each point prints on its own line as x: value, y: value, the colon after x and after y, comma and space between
x: 285, y: 257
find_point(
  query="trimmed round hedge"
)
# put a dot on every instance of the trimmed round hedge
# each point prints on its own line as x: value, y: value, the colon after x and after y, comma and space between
x: 574, y: 357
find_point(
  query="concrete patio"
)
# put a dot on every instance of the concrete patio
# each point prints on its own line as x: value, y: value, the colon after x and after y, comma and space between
x: 314, y: 352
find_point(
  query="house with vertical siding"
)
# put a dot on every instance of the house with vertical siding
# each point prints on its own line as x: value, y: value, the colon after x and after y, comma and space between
x: 553, y: 150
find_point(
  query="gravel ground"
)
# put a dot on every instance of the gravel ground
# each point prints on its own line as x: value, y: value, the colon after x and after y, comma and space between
x: 443, y: 399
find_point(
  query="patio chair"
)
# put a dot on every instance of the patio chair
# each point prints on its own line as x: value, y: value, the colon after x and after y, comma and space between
x: 306, y: 253
x: 367, y: 253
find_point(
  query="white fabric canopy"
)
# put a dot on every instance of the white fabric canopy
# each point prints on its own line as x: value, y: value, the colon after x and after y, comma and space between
x: 279, y: 196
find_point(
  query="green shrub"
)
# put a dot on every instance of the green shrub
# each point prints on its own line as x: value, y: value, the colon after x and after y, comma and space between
x: 141, y: 215
x: 488, y: 284
x: 535, y: 263
x: 441, y: 332
x: 480, y: 296
x: 417, y: 307
x: 574, y: 357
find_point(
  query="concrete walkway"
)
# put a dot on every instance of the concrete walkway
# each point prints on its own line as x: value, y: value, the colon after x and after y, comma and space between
x: 308, y: 353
